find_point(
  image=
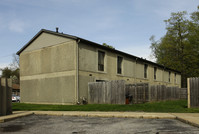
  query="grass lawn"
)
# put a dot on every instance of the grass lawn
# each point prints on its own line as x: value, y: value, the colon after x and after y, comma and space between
x: 179, y: 106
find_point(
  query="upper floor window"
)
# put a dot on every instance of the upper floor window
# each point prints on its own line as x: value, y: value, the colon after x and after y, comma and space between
x: 155, y: 72
x: 175, y: 79
x: 145, y: 70
x: 119, y: 64
x: 101, y: 56
x: 169, y: 76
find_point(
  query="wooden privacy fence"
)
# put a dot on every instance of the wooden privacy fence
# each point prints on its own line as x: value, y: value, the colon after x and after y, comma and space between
x: 117, y: 92
x: 112, y: 92
x: 137, y: 93
x: 143, y: 92
x: 5, y: 96
x: 183, y: 93
x: 193, y: 92
x: 162, y: 92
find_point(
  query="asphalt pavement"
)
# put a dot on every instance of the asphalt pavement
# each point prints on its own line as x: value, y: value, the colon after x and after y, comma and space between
x: 73, y: 122
x: 47, y: 124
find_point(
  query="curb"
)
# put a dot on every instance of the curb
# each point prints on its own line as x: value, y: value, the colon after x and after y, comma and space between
x: 187, y: 122
x: 14, y: 116
x: 142, y: 115
x: 109, y: 114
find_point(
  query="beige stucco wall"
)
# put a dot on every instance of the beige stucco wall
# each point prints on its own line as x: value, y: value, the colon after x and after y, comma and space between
x: 50, y: 59
x: 51, y: 73
x: 178, y: 80
x: 132, y: 71
x: 52, y: 90
x: 48, y: 72
x: 46, y: 40
x: 128, y: 67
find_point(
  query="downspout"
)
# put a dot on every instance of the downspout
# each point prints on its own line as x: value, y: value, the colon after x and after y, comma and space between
x: 77, y: 72
x: 135, y: 70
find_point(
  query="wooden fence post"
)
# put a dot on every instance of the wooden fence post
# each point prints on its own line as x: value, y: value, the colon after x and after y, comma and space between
x: 1, y: 99
x: 5, y: 96
x: 90, y: 93
x: 149, y: 93
x: 3, y: 84
x: 188, y: 92
x: 8, y: 96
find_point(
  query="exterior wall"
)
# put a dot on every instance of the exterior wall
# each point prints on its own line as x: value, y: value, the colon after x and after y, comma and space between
x: 165, y: 76
x: 159, y: 74
x: 128, y: 68
x: 139, y: 70
x: 132, y: 71
x: 48, y: 73
x: 46, y: 40
x: 178, y: 80
x: 56, y: 70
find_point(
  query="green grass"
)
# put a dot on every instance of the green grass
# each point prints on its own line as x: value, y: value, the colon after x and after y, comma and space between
x: 179, y: 106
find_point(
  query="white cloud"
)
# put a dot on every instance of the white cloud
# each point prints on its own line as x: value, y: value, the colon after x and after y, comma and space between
x: 17, y: 26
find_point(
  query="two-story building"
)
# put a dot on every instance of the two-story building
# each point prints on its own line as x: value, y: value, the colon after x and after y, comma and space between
x: 55, y: 68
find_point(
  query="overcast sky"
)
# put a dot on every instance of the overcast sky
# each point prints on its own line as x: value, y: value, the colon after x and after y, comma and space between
x: 125, y: 24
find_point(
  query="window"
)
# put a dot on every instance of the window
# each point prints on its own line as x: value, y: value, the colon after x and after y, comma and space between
x: 175, y: 78
x: 169, y: 76
x: 119, y: 64
x: 155, y: 71
x: 145, y: 70
x: 100, y: 80
x: 101, y: 60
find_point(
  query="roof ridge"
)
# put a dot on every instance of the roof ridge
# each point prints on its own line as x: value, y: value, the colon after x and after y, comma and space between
x: 93, y: 43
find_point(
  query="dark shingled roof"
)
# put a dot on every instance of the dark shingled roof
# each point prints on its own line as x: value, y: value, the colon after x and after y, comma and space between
x: 93, y: 44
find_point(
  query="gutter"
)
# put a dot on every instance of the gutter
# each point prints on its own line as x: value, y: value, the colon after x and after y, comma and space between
x: 77, y: 72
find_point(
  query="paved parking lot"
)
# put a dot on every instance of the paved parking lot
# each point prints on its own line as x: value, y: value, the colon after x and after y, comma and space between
x: 94, y: 125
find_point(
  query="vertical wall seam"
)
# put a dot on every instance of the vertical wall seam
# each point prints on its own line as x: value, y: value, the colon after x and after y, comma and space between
x: 77, y: 71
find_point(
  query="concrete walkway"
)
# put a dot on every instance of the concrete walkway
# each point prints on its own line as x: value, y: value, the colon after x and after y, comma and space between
x: 190, y: 118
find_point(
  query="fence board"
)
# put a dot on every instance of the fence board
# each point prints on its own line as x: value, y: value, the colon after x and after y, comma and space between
x: 5, y: 96
x: 112, y: 92
x: 1, y: 100
x: 161, y: 92
x: 193, y: 92
x: 115, y: 92
x: 183, y: 93
x: 139, y: 92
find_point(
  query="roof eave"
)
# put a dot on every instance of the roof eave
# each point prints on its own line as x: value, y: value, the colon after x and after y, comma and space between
x: 93, y: 43
x: 46, y: 31
x: 132, y: 56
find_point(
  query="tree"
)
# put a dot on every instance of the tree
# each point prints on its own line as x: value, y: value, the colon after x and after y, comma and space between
x: 194, y: 41
x: 15, y: 62
x: 178, y: 49
x: 12, y: 71
x: 109, y: 46
x: 6, y: 72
